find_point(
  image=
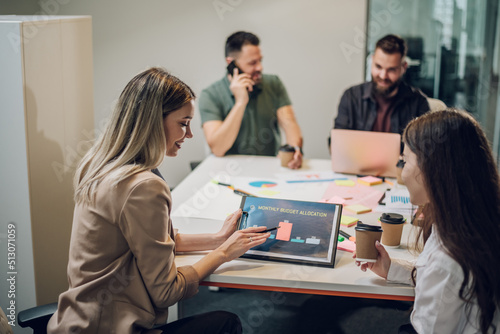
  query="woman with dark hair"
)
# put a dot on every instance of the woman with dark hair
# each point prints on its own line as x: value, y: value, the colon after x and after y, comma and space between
x: 449, y: 169
x: 121, y: 271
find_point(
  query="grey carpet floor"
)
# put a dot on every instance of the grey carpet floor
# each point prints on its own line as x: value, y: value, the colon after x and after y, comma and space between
x: 265, y: 312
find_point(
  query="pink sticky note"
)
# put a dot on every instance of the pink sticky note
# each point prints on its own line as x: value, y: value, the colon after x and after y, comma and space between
x: 347, y: 245
x: 284, y: 231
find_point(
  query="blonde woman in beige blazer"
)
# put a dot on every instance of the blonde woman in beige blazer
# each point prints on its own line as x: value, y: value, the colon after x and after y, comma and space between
x: 121, y: 271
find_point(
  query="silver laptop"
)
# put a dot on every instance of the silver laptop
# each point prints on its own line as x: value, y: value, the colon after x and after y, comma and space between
x: 365, y: 152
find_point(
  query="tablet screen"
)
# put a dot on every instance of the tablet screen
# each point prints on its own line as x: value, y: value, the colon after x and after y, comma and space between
x: 306, y: 232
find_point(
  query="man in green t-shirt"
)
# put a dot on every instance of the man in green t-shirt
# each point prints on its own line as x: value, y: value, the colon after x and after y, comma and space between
x: 241, y: 112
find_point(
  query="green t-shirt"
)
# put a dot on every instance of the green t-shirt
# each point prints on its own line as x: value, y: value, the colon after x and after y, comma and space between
x: 259, y: 133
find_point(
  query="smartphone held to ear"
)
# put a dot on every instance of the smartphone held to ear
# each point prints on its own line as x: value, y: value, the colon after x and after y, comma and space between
x: 230, y: 68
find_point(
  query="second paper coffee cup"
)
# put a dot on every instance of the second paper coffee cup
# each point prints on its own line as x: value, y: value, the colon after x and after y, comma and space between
x: 366, y: 235
x: 392, y: 224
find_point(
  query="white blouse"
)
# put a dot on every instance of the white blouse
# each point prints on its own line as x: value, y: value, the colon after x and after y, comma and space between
x: 438, y: 307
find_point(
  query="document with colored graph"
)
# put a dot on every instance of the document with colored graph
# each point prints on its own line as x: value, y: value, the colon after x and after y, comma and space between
x: 307, y: 231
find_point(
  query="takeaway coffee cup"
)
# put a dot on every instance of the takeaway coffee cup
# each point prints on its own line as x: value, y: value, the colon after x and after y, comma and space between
x: 285, y: 154
x: 366, y: 235
x: 392, y: 224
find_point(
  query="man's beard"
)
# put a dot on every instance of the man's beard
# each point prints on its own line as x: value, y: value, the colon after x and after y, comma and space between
x: 259, y: 79
x: 385, y: 92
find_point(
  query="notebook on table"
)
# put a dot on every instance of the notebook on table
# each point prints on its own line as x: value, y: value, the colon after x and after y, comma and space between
x: 365, y: 152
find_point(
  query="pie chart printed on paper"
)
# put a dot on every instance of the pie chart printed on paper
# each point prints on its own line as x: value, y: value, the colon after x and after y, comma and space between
x: 263, y: 184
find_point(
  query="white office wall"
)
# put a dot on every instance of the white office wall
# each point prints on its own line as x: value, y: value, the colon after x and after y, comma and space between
x: 15, y: 222
x: 301, y: 42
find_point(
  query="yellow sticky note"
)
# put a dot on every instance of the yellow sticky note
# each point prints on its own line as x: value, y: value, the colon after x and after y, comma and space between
x: 369, y: 180
x: 358, y: 208
x: 348, y: 221
x: 268, y: 192
x: 345, y: 183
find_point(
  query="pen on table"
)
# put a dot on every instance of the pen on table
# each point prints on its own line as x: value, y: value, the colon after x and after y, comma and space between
x: 223, y: 184
x: 347, y: 235
x: 381, y: 200
x: 270, y: 229
x: 236, y: 191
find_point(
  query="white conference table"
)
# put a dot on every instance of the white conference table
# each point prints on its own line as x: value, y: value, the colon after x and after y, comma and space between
x: 345, y: 279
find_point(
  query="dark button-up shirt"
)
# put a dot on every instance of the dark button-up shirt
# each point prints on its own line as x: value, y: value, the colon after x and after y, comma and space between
x: 358, y: 108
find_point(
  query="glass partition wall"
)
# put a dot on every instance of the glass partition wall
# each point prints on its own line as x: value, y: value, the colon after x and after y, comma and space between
x: 453, y: 52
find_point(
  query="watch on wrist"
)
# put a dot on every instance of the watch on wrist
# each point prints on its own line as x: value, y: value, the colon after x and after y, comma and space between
x: 298, y: 148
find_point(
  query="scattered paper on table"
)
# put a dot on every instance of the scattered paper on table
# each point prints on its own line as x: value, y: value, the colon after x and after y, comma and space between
x: 268, y: 193
x: 334, y: 200
x: 397, y: 200
x: 262, y: 187
x: 212, y: 201
x: 320, y: 176
x: 358, y: 194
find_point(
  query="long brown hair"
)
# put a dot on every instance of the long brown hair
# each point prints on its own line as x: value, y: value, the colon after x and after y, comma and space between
x: 462, y: 183
x: 134, y: 138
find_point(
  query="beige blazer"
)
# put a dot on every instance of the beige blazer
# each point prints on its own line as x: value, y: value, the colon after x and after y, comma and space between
x: 4, y: 324
x: 121, y: 271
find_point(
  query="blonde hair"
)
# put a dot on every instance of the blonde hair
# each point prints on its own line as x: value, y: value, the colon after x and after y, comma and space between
x: 134, y: 138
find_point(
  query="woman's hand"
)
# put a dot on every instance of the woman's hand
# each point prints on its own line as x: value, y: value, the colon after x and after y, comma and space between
x: 381, y: 267
x: 229, y: 226
x: 237, y: 244
x: 241, y: 241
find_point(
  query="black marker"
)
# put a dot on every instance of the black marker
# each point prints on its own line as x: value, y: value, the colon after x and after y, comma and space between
x: 345, y: 235
x: 380, y: 177
x: 270, y: 229
x: 224, y: 184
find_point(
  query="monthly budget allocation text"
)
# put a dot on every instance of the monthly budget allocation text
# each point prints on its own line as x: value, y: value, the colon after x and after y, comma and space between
x: 293, y: 211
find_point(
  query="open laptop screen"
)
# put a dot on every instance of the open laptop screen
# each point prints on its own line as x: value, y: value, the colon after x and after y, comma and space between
x: 365, y: 152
